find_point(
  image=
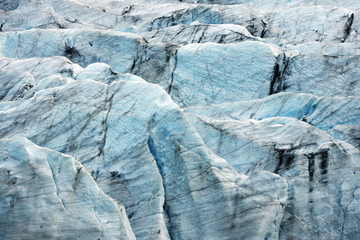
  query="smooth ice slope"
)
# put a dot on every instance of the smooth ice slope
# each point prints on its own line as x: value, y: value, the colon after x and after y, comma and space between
x: 216, y: 73
x: 45, y: 194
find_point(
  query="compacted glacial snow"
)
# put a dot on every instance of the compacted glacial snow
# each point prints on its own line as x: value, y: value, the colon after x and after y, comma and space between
x: 165, y: 119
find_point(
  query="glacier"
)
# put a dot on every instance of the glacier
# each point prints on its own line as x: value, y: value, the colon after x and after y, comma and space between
x: 189, y: 119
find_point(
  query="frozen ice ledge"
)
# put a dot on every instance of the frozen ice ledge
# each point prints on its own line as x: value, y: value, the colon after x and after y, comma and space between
x: 171, y: 119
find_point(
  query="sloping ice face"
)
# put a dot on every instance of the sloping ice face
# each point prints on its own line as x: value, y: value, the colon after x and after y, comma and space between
x: 168, y: 119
